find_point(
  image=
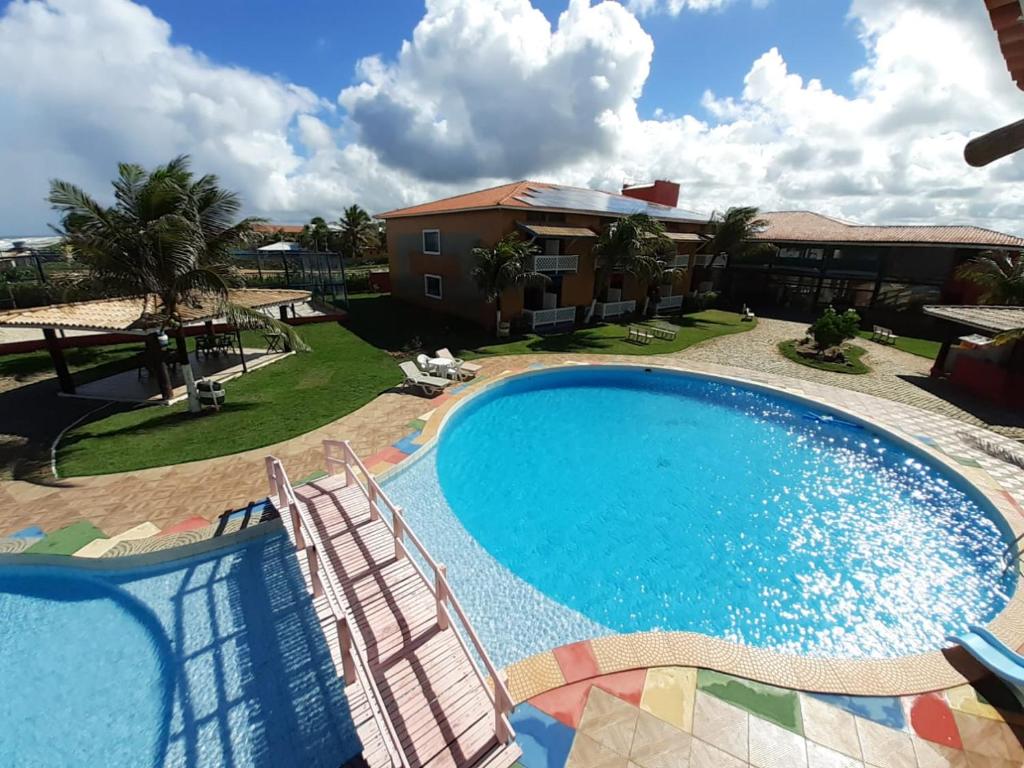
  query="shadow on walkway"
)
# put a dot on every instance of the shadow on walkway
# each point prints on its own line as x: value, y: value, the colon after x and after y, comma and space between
x: 1005, y: 420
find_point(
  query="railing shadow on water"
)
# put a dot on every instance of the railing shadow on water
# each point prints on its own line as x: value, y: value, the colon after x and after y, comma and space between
x: 255, y: 684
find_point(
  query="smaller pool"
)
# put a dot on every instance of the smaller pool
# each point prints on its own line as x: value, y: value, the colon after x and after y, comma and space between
x: 212, y: 661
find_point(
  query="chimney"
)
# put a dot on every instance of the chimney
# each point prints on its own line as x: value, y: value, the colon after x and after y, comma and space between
x: 661, y: 192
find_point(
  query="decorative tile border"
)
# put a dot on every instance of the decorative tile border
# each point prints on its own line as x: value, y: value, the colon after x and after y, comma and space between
x: 666, y: 716
x: 942, y: 438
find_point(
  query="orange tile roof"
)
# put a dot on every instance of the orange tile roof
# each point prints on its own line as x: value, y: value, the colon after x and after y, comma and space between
x: 269, y: 228
x: 1005, y: 16
x: 543, y: 196
x: 807, y: 227
x: 493, y: 197
x: 137, y: 314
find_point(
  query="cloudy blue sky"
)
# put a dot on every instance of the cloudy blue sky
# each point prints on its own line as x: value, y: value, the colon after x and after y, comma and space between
x: 858, y: 109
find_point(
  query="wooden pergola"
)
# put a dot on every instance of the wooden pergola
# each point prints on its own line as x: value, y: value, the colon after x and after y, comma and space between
x: 140, y: 316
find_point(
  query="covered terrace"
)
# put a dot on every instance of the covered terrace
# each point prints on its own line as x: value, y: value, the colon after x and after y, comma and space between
x: 972, y: 360
x: 159, y: 376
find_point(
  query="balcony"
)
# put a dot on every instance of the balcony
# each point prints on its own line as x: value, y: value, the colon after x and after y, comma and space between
x: 706, y: 259
x: 539, y: 318
x: 669, y: 304
x: 680, y: 261
x: 556, y: 265
x: 606, y: 309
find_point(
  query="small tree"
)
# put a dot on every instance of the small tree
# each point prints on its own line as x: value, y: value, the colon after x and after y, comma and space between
x: 832, y: 328
x: 504, y: 266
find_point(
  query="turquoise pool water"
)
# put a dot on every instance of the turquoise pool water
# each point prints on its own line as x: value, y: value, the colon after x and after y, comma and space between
x: 625, y: 500
x: 212, y: 661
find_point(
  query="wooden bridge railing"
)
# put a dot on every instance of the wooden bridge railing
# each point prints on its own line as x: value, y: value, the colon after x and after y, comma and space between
x: 339, y: 456
x: 355, y: 661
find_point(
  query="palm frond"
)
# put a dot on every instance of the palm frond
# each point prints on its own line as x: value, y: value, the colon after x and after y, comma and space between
x: 248, y: 319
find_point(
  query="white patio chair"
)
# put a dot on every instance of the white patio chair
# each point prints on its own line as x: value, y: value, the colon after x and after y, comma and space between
x: 465, y: 370
x: 428, y: 384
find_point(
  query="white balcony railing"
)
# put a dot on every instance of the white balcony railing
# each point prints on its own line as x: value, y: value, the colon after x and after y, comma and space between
x: 710, y: 259
x: 669, y: 303
x: 605, y: 309
x: 538, y: 318
x: 543, y: 262
x: 681, y: 261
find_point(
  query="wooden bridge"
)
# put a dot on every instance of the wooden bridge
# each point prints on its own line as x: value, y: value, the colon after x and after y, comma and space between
x: 416, y: 692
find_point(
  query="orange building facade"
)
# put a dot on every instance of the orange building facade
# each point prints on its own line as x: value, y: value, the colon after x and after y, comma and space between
x: 430, y: 254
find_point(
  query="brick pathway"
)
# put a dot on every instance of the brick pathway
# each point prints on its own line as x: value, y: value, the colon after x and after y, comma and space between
x: 895, y: 375
x: 166, y: 495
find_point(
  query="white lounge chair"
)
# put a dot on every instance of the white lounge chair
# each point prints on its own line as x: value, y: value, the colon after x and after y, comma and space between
x: 747, y: 313
x: 465, y: 370
x: 428, y: 384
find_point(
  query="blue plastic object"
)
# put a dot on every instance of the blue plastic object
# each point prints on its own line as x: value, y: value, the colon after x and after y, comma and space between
x: 992, y: 653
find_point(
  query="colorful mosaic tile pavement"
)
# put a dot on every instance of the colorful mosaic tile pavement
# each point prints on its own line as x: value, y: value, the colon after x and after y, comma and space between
x: 685, y: 717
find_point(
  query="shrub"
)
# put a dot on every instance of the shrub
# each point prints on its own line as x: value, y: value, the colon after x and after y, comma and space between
x: 832, y: 328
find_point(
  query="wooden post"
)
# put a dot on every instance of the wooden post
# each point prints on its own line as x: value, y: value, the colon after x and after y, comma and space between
x: 939, y: 366
x: 155, y: 354
x: 501, y: 731
x: 399, y: 524
x: 345, y: 641
x: 441, y: 589
x: 372, y: 491
x: 272, y: 478
x: 182, y: 345
x: 314, y: 571
x: 67, y: 384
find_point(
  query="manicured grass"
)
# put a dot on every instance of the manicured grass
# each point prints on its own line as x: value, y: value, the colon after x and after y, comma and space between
x: 853, y: 355
x: 920, y: 347
x: 88, y: 363
x: 394, y: 325
x: 275, y: 403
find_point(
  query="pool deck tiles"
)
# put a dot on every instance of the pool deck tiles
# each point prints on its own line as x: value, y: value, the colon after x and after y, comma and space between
x: 545, y: 741
x: 628, y: 685
x: 188, y: 524
x: 66, y: 540
x: 100, y: 547
x: 932, y: 720
x: 565, y: 704
x: 669, y: 694
x: 576, y: 661
x: 884, y: 710
x: 408, y: 444
x: 32, y: 532
x: 777, y: 705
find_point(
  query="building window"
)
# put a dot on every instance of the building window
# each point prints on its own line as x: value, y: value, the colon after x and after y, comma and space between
x: 432, y: 286
x: 791, y: 253
x: 432, y: 242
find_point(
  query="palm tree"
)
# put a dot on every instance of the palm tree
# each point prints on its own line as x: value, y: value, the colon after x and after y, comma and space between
x: 732, y: 234
x: 358, y: 232
x: 316, y: 235
x: 167, y: 234
x: 999, y: 275
x: 635, y: 244
x: 504, y: 266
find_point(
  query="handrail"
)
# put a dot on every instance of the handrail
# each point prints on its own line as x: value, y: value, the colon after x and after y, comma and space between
x: 441, y: 589
x: 349, y: 637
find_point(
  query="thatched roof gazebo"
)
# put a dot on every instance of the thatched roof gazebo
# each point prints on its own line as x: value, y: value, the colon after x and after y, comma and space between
x: 140, y: 316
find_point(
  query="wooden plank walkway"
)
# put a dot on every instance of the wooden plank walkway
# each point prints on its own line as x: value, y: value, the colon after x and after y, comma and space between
x: 416, y: 694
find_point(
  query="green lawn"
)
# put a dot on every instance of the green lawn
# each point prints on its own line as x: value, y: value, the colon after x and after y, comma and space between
x: 348, y: 367
x: 397, y: 326
x: 919, y: 347
x: 275, y: 403
x: 853, y: 356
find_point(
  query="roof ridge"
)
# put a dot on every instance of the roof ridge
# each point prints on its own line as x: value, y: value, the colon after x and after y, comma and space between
x: 455, y: 197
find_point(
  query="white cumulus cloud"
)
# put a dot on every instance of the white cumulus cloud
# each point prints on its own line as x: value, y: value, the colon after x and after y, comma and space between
x: 485, y: 91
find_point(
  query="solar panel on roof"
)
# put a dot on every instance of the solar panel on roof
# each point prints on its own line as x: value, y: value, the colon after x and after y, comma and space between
x: 591, y: 200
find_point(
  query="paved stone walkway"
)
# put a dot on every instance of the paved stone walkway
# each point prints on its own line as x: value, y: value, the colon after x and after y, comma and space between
x: 207, y: 489
x: 895, y: 375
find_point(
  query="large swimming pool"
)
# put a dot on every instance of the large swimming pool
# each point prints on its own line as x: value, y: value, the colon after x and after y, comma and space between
x: 599, y: 499
x: 212, y: 661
